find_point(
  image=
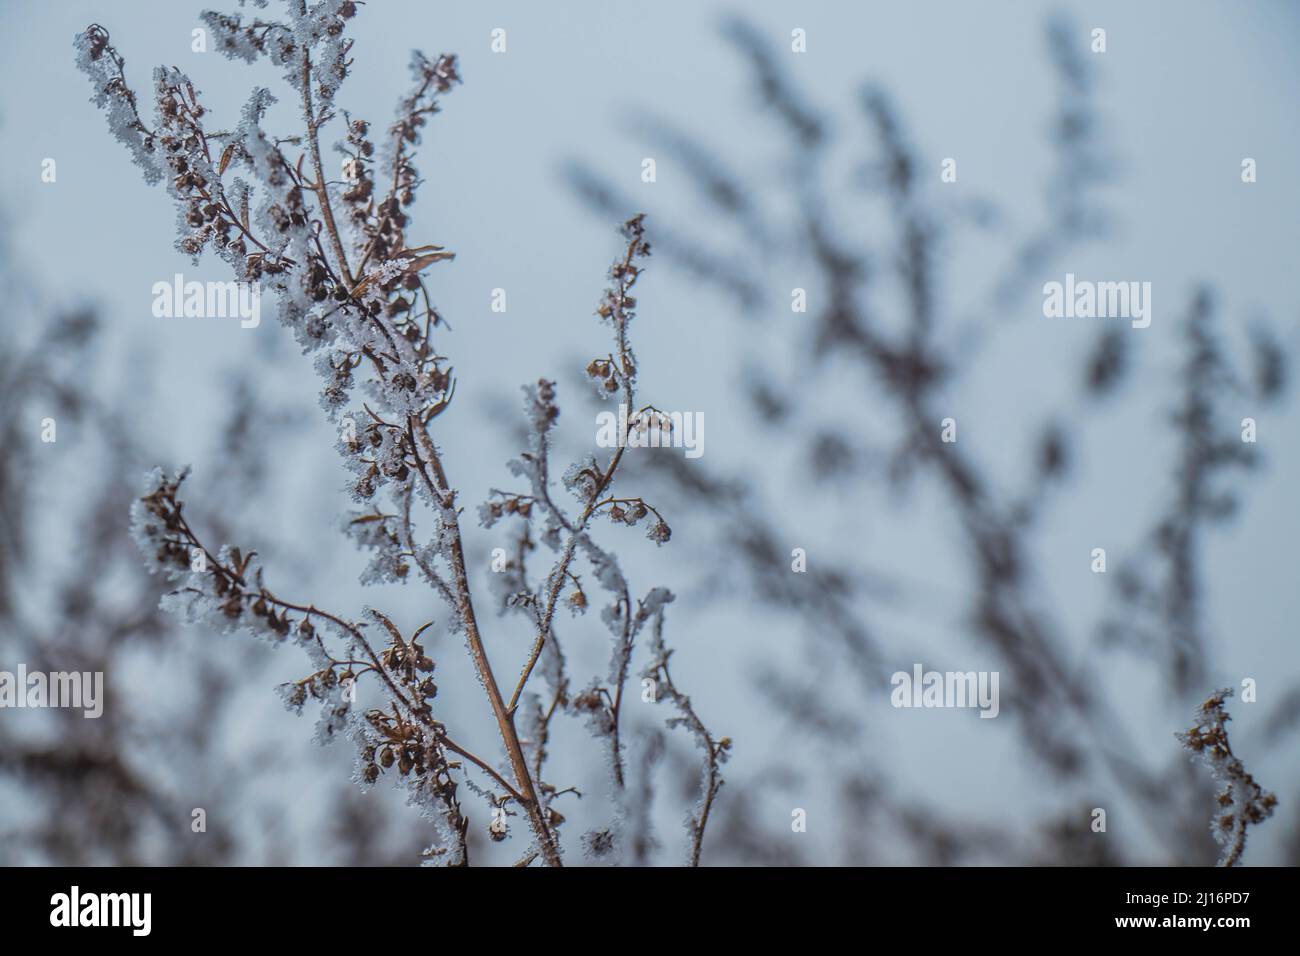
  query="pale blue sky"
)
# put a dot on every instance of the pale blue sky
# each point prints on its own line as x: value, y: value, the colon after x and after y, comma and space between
x: 1186, y: 90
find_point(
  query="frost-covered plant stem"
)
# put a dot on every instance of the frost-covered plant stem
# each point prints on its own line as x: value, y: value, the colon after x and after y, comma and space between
x: 366, y: 325
x: 503, y: 715
x: 320, y: 187
x: 625, y: 275
x: 1241, y: 801
x: 715, y: 751
x: 202, y: 176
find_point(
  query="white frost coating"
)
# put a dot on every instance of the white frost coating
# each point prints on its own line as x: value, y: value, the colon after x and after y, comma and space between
x: 111, y: 97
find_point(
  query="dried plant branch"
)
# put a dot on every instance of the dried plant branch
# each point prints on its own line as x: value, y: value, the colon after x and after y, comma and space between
x: 225, y: 589
x: 311, y: 125
x: 618, y: 308
x: 1241, y: 801
x: 715, y: 751
x: 368, y: 329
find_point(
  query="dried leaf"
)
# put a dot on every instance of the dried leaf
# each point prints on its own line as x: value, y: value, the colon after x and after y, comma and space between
x: 225, y: 158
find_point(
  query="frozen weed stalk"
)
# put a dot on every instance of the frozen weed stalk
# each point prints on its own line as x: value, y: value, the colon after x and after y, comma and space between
x: 1240, y: 800
x: 350, y: 285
